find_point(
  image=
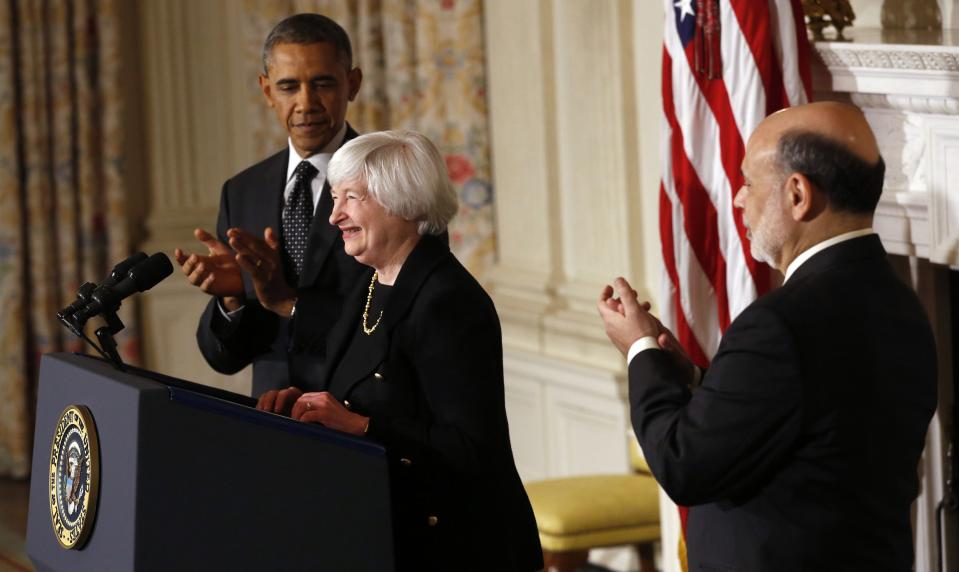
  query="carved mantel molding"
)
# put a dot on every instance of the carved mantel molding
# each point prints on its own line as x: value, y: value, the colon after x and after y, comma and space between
x: 908, y: 86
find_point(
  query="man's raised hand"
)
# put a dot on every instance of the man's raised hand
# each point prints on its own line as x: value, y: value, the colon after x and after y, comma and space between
x: 625, y: 318
x: 261, y: 259
x: 216, y: 272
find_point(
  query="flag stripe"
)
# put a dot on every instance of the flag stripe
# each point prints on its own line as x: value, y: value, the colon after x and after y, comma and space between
x: 696, y: 318
x: 699, y: 216
x: 715, y: 150
x: 676, y: 310
x: 754, y: 21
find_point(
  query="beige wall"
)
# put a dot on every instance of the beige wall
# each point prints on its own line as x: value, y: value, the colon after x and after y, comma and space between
x: 574, y: 99
x: 195, y: 104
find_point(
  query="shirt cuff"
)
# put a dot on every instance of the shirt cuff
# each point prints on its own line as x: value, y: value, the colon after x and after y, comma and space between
x: 641, y: 345
x: 230, y: 316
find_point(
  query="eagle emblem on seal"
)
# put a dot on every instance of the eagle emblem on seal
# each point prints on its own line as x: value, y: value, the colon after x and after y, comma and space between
x: 74, y: 476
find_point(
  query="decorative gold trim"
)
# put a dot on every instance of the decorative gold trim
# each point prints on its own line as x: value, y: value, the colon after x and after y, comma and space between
x: 81, y: 417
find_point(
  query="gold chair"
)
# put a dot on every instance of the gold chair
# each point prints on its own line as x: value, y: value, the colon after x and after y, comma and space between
x: 576, y: 514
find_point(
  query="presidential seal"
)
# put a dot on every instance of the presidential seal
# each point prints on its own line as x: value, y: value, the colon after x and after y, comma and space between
x: 74, y: 476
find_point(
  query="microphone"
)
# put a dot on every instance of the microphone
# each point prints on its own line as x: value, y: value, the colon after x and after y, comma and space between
x: 121, y: 269
x: 86, y: 289
x: 144, y: 275
x: 83, y: 297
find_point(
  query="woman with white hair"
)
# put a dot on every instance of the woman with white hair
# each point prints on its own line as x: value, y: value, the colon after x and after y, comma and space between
x: 415, y: 362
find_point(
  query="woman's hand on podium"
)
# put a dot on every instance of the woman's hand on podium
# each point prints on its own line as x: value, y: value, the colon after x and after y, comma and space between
x: 279, y: 401
x: 321, y: 407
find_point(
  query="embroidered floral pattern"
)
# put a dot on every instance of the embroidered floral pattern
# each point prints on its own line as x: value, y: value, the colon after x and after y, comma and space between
x: 61, y: 178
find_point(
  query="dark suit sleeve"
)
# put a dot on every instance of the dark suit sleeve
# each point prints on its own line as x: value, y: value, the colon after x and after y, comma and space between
x: 230, y: 345
x: 727, y: 437
x: 455, y: 347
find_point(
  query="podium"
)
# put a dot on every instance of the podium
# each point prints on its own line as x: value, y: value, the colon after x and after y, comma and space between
x: 194, y: 478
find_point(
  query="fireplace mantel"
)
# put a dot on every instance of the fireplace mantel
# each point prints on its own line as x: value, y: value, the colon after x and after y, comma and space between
x: 908, y: 86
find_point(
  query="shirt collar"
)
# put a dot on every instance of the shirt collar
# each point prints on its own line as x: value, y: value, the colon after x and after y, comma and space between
x: 817, y: 248
x: 319, y: 160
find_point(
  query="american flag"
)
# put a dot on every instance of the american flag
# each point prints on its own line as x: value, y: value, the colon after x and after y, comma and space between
x: 727, y: 64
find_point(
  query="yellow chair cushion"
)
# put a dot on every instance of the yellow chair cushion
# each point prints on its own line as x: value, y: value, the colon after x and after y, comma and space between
x: 579, y: 513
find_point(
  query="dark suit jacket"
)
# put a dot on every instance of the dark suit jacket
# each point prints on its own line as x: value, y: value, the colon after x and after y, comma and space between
x: 253, y: 200
x: 433, y: 388
x: 800, y: 450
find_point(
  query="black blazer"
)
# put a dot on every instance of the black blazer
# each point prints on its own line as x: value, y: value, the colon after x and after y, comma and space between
x: 253, y: 201
x: 433, y: 388
x: 800, y: 450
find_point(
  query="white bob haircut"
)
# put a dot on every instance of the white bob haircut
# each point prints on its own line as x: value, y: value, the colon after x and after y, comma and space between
x: 404, y: 172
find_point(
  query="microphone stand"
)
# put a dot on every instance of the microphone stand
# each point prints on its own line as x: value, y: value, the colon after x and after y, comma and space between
x: 107, y: 343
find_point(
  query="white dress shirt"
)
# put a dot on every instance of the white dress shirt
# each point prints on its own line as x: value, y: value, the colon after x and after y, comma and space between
x: 319, y: 160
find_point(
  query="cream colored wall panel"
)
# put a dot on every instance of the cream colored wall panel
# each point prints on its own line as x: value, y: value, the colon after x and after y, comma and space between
x: 579, y: 425
x: 527, y: 426
x: 519, y: 70
x: 595, y: 124
x: 170, y: 312
x: 643, y: 242
x: 192, y: 95
x: 588, y: 433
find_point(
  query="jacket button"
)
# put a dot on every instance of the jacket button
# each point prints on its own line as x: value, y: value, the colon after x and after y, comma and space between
x: 346, y: 402
x: 378, y: 376
x: 432, y: 520
x: 405, y: 462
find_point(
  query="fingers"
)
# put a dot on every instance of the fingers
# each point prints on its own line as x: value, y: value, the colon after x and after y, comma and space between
x: 254, y: 255
x: 251, y: 264
x: 606, y: 294
x: 195, y: 269
x: 187, y: 262
x: 272, y: 240
x: 245, y: 243
x: 180, y: 256
x: 304, y: 403
x: 665, y: 342
x: 627, y: 296
x: 207, y: 283
x: 266, y: 401
x: 203, y: 236
x: 285, y: 400
x: 606, y: 304
x: 316, y: 407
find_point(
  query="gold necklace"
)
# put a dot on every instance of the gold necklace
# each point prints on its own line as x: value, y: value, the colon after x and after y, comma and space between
x: 366, y: 311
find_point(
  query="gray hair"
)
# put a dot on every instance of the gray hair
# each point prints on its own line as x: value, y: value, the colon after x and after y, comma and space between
x: 404, y: 172
x: 849, y: 183
x: 308, y: 29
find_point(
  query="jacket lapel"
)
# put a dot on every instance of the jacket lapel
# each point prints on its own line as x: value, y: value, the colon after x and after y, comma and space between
x: 429, y: 252
x: 340, y: 336
x: 323, y: 235
x: 342, y: 377
x: 274, y: 181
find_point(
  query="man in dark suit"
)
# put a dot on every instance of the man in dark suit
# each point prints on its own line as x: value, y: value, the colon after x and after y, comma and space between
x: 799, y: 449
x: 308, y: 80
